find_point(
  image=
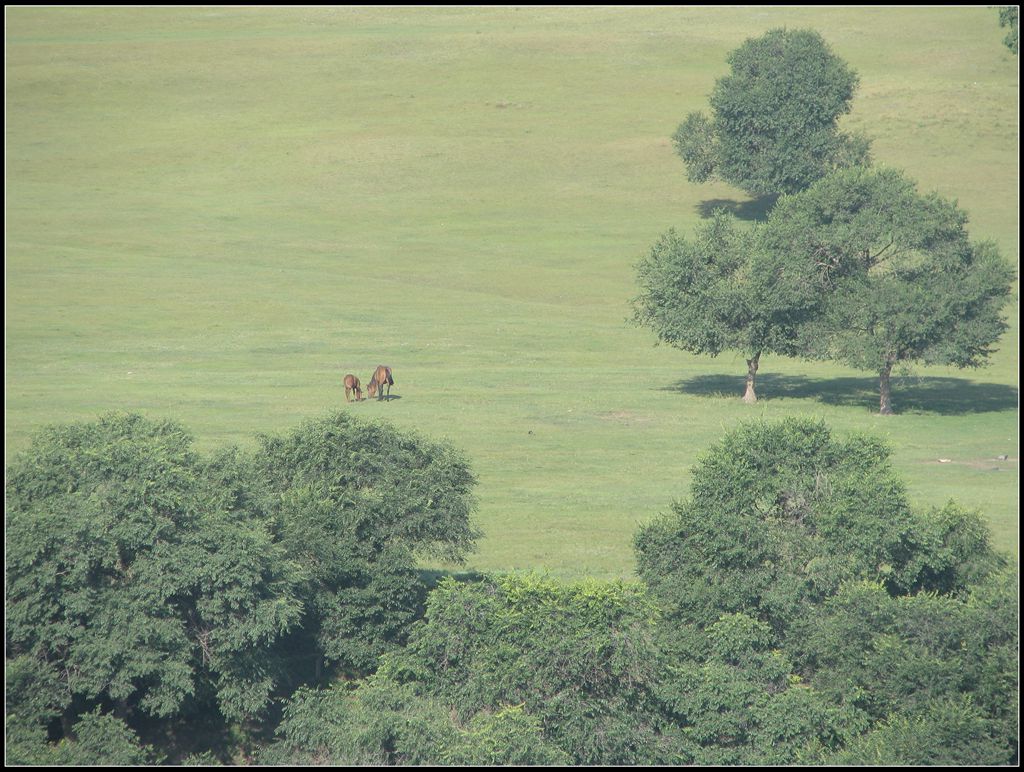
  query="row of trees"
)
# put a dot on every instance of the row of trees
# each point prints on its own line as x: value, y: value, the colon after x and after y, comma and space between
x: 852, y: 265
x: 794, y: 609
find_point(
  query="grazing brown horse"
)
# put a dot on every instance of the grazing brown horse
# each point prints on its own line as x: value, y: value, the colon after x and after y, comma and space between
x: 381, y: 377
x: 352, y: 385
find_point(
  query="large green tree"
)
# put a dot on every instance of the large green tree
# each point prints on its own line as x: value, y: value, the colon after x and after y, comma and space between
x: 505, y: 670
x: 720, y: 291
x: 378, y: 721
x: 357, y: 503
x: 138, y: 581
x: 781, y: 515
x: 148, y: 580
x: 774, y: 123
x: 936, y: 674
x: 904, y: 281
x: 812, y: 616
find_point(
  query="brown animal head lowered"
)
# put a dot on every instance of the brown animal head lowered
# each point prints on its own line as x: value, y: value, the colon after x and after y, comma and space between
x: 380, y: 379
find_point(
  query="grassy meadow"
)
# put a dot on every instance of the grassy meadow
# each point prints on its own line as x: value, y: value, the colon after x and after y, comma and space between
x: 213, y: 214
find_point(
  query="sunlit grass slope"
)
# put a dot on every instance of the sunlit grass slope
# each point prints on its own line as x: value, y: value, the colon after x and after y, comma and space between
x: 213, y: 214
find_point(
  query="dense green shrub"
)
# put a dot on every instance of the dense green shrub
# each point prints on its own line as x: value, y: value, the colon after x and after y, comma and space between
x: 356, y: 504
x: 581, y: 658
x: 782, y: 515
x: 810, y: 610
x: 137, y: 578
x: 380, y: 722
x: 156, y: 583
x: 794, y: 609
x: 737, y: 699
x: 905, y: 655
x: 944, y: 733
x: 97, y: 739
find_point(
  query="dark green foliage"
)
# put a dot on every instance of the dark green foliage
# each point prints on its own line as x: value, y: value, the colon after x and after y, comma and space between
x: 951, y: 551
x: 1009, y: 16
x: 390, y: 487
x: 775, y: 117
x: 808, y: 610
x: 946, y: 733
x: 509, y: 737
x: 150, y: 580
x: 97, y: 740
x: 904, y: 283
x: 356, y: 503
x: 102, y: 740
x: 204, y: 759
x: 381, y: 722
x: 738, y: 700
x: 377, y: 722
x: 909, y: 661
x: 780, y: 515
x: 581, y: 659
x: 797, y: 611
x: 507, y: 670
x: 135, y: 577
x: 35, y: 695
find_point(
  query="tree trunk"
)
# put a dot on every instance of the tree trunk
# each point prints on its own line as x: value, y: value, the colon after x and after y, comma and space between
x: 750, y: 397
x: 885, y: 395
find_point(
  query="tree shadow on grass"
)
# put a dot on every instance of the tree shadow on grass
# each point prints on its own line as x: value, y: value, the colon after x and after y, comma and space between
x: 910, y: 394
x: 757, y: 209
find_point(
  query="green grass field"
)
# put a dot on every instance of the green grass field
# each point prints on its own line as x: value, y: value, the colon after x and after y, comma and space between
x: 213, y: 214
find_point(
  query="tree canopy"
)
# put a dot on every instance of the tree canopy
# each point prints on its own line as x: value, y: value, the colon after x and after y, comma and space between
x: 357, y: 503
x: 141, y: 581
x: 721, y: 291
x: 813, y: 616
x: 508, y: 669
x: 781, y: 515
x: 774, y: 123
x: 146, y: 578
x: 796, y: 610
x: 904, y: 282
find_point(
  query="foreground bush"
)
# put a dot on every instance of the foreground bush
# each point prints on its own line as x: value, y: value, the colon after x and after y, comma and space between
x: 141, y: 582
x: 817, y: 616
x: 781, y: 515
x: 147, y: 580
x: 511, y: 669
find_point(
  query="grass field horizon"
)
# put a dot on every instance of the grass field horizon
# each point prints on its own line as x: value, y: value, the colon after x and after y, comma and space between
x: 213, y: 214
